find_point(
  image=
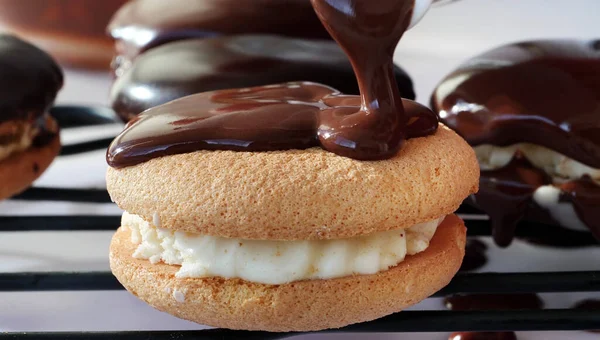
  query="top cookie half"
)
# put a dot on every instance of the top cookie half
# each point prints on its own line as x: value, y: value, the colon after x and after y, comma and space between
x: 299, y: 194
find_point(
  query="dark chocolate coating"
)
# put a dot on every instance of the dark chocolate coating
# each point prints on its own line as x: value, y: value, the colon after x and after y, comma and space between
x: 267, y: 118
x: 187, y: 67
x: 545, y: 93
x: 143, y: 24
x: 542, y: 92
x: 297, y: 115
x: 29, y: 80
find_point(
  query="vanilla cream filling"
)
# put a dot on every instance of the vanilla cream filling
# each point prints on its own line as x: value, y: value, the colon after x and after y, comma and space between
x: 275, y: 262
x: 22, y: 143
x: 558, y: 166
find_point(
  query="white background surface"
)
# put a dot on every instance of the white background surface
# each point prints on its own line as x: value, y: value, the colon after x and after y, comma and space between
x: 446, y: 36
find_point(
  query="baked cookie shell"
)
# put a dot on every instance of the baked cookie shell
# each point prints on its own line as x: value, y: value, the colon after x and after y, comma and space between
x: 297, y: 306
x: 20, y: 169
x: 299, y: 194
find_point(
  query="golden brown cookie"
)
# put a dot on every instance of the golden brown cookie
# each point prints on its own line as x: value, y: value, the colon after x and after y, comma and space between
x: 297, y: 306
x: 20, y: 169
x: 299, y: 194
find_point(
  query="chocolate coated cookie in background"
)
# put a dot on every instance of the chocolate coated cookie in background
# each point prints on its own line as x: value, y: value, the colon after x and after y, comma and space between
x: 532, y: 112
x: 182, y: 68
x: 29, y: 137
x: 143, y: 24
x: 73, y: 31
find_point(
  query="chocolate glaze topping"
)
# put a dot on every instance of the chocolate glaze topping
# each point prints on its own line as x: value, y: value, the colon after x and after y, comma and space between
x: 183, y: 68
x: 29, y: 80
x: 545, y: 93
x: 297, y: 115
x: 143, y: 24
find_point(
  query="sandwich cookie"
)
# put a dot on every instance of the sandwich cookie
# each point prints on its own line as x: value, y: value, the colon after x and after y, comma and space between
x: 187, y: 67
x: 293, y: 207
x: 531, y: 111
x: 144, y: 24
x: 29, y: 136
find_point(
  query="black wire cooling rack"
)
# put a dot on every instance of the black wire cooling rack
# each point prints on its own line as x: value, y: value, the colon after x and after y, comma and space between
x: 408, y: 321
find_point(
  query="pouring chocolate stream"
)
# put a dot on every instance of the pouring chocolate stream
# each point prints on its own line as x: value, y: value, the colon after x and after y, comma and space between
x: 297, y: 115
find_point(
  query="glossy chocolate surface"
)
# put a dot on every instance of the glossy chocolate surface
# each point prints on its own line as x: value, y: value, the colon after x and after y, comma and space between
x: 143, y: 24
x: 29, y: 80
x: 297, y: 115
x: 545, y: 93
x: 187, y: 67
x: 267, y: 118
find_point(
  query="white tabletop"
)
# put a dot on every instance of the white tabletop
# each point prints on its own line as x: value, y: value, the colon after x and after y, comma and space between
x: 446, y: 36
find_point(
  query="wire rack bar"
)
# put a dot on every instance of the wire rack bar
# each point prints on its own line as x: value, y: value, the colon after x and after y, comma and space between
x: 409, y: 321
x: 110, y: 223
x: 472, y: 283
x: 59, y: 223
x: 67, y: 195
x: 94, y: 145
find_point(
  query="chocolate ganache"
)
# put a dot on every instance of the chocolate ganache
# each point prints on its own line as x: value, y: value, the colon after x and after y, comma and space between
x: 297, y: 115
x: 30, y: 80
x: 143, y: 24
x: 544, y: 93
x: 182, y: 68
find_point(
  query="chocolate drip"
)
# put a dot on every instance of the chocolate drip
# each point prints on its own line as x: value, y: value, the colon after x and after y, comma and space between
x: 545, y: 93
x: 493, y: 302
x: 144, y: 24
x: 297, y: 115
x: 584, y: 194
x: 30, y: 80
x: 483, y: 336
x: 187, y: 67
x: 506, y: 195
x: 475, y: 256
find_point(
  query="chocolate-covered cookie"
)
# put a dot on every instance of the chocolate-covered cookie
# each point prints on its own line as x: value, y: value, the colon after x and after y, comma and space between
x: 532, y: 112
x: 143, y: 24
x: 29, y: 82
x: 187, y: 67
